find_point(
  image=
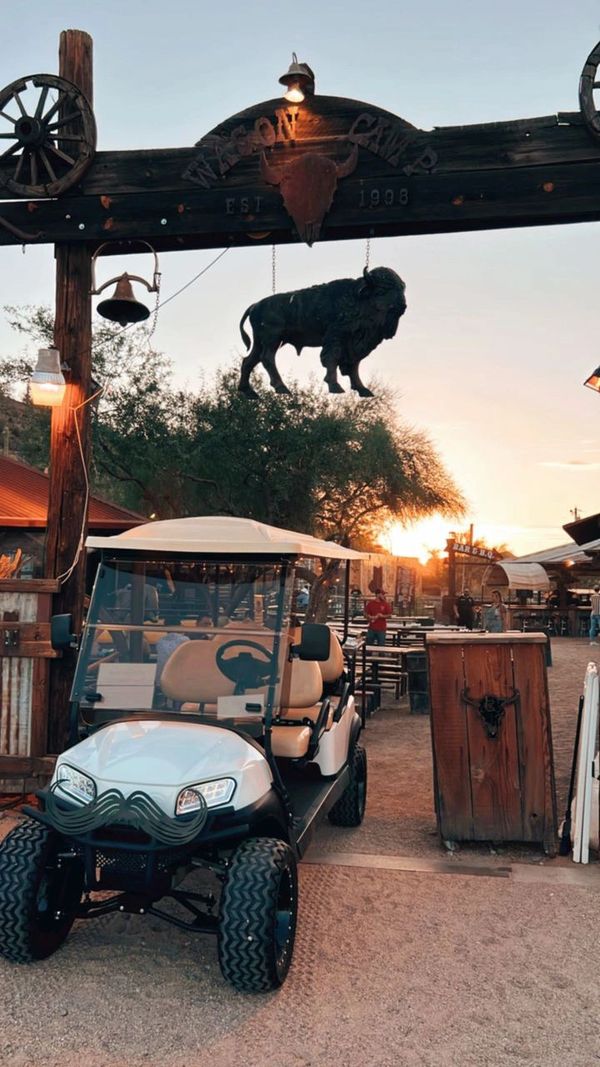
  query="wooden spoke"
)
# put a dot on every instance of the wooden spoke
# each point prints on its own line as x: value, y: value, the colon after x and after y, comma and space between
x: 8, y: 135
x: 70, y: 137
x: 19, y: 166
x: 61, y: 154
x: 47, y: 164
x: 5, y: 115
x: 33, y: 166
x: 61, y: 122
x: 10, y: 151
x: 51, y: 112
x: 42, y: 101
x: 20, y: 104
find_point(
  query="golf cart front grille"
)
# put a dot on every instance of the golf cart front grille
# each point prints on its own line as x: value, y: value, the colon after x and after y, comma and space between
x: 122, y: 862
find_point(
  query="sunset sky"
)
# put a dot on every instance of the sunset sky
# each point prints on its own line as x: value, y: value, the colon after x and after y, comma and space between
x: 501, y: 328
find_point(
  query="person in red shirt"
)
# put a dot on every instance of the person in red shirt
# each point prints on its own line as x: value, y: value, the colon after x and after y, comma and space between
x: 377, y: 611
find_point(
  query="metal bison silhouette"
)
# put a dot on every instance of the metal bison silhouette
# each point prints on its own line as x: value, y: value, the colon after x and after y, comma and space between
x: 346, y: 319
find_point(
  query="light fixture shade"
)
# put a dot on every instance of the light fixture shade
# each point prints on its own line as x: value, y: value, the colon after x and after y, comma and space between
x: 299, y: 80
x: 593, y: 382
x: 47, y: 383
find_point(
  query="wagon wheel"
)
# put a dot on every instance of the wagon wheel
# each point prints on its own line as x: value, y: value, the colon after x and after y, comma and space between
x: 588, y: 83
x: 47, y: 135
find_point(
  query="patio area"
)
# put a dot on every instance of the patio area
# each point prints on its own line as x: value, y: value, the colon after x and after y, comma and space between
x: 406, y: 954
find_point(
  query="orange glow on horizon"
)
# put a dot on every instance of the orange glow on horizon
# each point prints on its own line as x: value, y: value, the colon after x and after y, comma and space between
x: 419, y: 539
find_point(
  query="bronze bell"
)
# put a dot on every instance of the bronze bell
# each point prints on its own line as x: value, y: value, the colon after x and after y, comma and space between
x: 122, y: 307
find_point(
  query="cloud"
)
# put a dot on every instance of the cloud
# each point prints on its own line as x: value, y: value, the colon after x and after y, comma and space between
x: 570, y: 465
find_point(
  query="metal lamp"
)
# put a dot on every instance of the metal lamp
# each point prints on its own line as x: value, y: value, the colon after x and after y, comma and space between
x: 47, y: 383
x: 299, y: 80
x: 593, y: 382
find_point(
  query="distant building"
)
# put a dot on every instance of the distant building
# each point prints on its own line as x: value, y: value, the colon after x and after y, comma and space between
x: 24, y: 513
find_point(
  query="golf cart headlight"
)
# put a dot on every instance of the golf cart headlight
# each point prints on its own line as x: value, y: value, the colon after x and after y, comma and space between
x: 75, y: 783
x: 215, y: 793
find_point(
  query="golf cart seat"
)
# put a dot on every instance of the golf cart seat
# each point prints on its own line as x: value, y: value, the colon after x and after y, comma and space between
x: 333, y: 667
x: 191, y: 675
x: 301, y: 694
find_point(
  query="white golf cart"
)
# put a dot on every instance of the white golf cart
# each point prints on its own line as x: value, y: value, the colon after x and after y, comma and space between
x: 209, y: 730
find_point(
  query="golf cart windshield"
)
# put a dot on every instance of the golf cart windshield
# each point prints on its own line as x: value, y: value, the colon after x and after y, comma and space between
x: 194, y: 635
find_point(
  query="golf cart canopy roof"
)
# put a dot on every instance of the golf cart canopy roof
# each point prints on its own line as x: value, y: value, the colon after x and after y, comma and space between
x: 221, y: 535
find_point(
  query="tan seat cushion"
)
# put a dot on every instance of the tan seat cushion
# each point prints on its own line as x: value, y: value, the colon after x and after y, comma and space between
x: 333, y: 667
x: 302, y: 684
x: 290, y: 742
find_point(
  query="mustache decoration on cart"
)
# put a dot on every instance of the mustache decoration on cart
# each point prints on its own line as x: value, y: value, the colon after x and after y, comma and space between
x: 138, y: 810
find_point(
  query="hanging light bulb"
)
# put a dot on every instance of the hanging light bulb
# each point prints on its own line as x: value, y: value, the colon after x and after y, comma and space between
x: 47, y: 383
x: 299, y: 80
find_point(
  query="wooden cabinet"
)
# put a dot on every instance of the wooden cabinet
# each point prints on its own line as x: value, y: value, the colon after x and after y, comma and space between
x: 491, y: 736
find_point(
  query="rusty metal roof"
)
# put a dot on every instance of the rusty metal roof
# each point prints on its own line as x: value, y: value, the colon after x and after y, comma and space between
x: 24, y: 501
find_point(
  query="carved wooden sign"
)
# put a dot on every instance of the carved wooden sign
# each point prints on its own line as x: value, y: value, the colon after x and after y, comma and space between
x: 326, y: 169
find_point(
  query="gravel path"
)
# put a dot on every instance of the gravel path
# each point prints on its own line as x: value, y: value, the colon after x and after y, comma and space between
x: 392, y: 968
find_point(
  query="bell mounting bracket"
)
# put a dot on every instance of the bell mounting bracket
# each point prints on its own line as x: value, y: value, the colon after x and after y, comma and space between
x: 154, y: 288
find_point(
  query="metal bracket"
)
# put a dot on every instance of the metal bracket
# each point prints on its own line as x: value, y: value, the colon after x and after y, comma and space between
x: 491, y: 708
x: 10, y: 638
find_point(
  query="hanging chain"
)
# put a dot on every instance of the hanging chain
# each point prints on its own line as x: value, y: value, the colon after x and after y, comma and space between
x: 367, y: 253
x: 274, y: 269
x: 155, y: 311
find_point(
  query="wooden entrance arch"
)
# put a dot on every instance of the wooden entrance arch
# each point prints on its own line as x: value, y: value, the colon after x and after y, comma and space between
x: 328, y: 169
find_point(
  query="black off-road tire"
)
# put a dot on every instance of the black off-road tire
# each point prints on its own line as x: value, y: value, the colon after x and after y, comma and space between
x: 257, y: 915
x: 349, y: 810
x: 32, y: 890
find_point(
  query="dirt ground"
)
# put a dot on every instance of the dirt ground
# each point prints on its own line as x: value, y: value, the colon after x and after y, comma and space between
x: 406, y: 955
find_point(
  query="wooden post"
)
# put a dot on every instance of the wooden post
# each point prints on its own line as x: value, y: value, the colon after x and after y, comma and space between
x: 67, y: 505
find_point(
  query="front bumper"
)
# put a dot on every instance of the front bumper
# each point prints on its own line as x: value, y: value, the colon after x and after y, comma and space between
x: 122, y: 856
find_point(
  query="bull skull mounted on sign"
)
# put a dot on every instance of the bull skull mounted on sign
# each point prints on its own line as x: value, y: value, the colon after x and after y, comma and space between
x: 308, y: 185
x: 346, y: 319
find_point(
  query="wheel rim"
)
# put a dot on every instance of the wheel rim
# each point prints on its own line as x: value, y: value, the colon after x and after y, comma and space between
x: 284, y: 920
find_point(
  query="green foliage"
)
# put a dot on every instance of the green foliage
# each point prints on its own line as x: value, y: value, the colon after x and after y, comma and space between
x: 336, y: 467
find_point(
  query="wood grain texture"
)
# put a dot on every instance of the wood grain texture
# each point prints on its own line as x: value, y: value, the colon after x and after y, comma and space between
x: 538, y: 791
x: 521, y: 173
x: 452, y: 787
x: 68, y: 503
x: 495, y: 781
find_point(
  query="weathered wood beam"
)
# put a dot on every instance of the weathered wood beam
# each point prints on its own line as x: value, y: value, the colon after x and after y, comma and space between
x: 70, y: 441
x: 392, y: 206
x: 519, y: 173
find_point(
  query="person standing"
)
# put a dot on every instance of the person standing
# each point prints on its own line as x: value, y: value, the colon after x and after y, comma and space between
x: 377, y: 611
x: 464, y: 610
x: 595, y: 615
x: 495, y: 615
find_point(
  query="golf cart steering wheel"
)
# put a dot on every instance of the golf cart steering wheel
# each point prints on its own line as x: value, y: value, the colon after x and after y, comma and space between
x: 246, y: 670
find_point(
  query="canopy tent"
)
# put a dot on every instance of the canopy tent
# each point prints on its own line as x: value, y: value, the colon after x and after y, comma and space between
x: 516, y: 575
x: 224, y: 535
x: 569, y: 554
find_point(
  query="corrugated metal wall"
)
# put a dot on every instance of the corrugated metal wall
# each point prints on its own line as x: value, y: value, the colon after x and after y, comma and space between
x: 16, y: 679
